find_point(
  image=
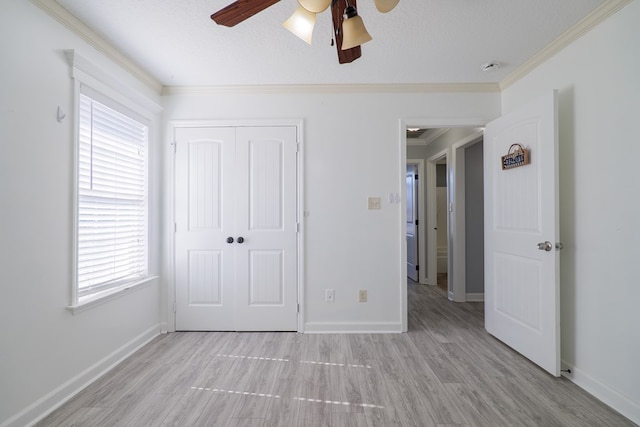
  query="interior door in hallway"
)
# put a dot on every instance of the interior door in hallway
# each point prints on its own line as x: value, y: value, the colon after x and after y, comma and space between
x: 412, y: 222
x: 236, y: 228
x: 522, y: 306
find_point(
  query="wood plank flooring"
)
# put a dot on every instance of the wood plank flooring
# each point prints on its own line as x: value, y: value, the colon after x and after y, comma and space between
x: 447, y: 371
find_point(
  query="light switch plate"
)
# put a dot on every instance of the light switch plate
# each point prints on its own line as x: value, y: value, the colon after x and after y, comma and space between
x: 374, y: 203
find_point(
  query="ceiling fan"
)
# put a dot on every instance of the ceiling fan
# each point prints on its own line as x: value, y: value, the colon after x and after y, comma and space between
x: 348, y: 27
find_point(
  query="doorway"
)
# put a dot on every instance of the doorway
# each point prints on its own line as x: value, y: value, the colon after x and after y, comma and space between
x: 442, y: 227
x: 443, y: 152
x: 415, y: 218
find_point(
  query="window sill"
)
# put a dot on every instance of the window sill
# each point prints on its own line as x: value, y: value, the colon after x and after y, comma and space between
x: 90, y: 301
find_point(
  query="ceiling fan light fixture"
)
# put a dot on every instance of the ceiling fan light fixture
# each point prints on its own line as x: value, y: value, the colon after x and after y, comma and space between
x: 301, y: 23
x: 354, y: 32
x: 315, y: 6
x: 385, y: 6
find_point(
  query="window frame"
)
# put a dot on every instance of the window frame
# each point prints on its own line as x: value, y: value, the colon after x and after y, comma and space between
x: 93, y: 81
x: 87, y: 292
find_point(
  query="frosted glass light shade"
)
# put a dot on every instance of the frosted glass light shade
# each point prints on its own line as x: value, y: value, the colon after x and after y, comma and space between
x: 315, y: 6
x: 385, y: 6
x: 301, y: 23
x: 354, y: 33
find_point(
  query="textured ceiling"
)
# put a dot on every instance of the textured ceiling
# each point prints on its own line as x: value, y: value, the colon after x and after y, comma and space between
x: 420, y: 41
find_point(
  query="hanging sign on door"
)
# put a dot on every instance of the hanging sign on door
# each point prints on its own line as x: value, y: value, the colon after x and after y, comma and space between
x: 516, y: 157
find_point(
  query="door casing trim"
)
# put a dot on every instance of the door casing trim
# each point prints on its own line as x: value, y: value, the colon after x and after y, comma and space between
x: 168, y: 281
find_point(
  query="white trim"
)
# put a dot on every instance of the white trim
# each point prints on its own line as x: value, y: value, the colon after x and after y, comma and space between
x: 422, y: 123
x: 458, y: 257
x: 352, y: 327
x: 169, y: 255
x: 169, y: 225
x: 79, y: 28
x: 474, y: 297
x: 92, y: 80
x: 94, y: 76
x: 99, y: 298
x: 402, y: 231
x: 613, y: 398
x: 60, y: 395
x: 335, y: 88
x: 602, y: 12
x: 301, y: 214
x: 432, y: 224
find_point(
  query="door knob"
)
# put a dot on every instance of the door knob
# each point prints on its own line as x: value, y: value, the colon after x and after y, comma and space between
x: 240, y: 239
x: 545, y: 246
x: 229, y: 239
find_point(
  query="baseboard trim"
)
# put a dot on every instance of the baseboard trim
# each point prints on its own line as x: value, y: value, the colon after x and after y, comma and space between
x: 352, y: 327
x: 60, y: 395
x: 474, y: 297
x: 614, y: 399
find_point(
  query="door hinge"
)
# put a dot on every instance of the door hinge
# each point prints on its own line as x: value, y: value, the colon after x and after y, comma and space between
x: 174, y: 144
x: 417, y: 222
x: 417, y: 268
x: 175, y: 227
x: 298, y: 308
x: 297, y: 147
x: 297, y: 227
x: 415, y: 176
x: 174, y: 306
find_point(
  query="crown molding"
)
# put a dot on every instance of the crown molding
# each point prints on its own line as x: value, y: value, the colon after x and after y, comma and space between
x: 334, y: 88
x: 59, y: 13
x: 608, y: 8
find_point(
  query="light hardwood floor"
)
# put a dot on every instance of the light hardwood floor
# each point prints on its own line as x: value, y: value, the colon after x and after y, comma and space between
x: 447, y: 371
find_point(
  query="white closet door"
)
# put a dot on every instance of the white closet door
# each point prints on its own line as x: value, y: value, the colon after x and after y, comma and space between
x: 236, y: 234
x: 266, y: 262
x: 204, y: 213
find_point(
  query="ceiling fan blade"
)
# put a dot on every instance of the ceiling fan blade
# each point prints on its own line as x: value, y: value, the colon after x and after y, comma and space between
x: 337, y: 10
x: 240, y: 10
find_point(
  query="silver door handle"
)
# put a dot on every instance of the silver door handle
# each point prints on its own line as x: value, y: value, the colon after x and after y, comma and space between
x: 545, y: 246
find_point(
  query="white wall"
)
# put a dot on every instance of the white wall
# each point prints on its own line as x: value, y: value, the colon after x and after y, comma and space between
x: 46, y: 352
x: 598, y: 78
x: 351, y: 151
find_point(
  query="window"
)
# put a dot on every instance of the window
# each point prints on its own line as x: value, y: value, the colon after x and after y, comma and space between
x: 111, y: 218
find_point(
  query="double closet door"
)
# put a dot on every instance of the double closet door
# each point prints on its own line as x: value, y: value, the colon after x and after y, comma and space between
x: 236, y: 229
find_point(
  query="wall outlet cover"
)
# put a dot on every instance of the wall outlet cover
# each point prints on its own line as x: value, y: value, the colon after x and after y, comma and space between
x: 374, y: 203
x: 329, y: 295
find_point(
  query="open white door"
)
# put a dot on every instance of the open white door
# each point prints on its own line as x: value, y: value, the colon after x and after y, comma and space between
x: 412, y: 223
x: 521, y: 231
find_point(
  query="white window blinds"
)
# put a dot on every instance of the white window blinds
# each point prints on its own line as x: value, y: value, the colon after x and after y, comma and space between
x: 112, y: 198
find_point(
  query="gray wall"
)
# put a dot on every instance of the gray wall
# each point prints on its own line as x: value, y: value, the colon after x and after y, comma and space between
x: 474, y: 219
x: 441, y: 175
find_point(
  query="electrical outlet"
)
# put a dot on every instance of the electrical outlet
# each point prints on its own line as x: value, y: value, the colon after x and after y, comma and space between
x: 362, y: 295
x: 329, y: 295
x: 373, y: 203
